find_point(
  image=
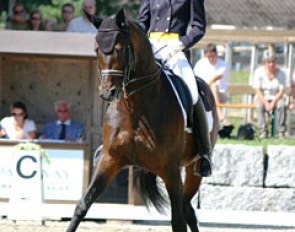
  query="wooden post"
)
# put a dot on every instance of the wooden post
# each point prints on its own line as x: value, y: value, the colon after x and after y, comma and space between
x: 228, y: 60
x: 1, y: 78
x: 11, y: 3
x: 290, y: 63
x: 254, y: 61
x: 133, y: 197
x: 286, y: 54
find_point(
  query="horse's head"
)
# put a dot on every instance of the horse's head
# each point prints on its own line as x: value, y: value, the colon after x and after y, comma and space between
x: 114, y: 53
x: 123, y: 52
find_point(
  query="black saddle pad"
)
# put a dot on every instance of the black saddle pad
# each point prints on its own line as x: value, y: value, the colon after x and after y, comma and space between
x: 183, y: 92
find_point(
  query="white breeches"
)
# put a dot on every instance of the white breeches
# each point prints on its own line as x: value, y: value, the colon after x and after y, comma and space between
x: 180, y: 66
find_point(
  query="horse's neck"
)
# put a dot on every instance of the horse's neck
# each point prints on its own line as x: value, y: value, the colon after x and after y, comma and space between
x: 145, y: 63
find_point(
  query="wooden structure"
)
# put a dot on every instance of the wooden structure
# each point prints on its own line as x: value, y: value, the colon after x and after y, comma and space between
x: 40, y: 68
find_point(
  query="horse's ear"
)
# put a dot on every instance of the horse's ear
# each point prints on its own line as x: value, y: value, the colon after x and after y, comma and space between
x: 121, y: 22
x: 96, y: 21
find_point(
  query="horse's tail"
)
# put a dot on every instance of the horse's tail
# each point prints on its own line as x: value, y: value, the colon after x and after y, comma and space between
x: 146, y: 184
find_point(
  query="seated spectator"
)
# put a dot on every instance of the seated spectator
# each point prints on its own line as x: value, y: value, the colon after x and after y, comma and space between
x: 67, y: 14
x: 18, y: 126
x: 63, y: 128
x: 214, y: 71
x: 18, y: 20
x: 81, y: 23
x: 35, y: 22
x: 49, y: 24
x: 269, y: 83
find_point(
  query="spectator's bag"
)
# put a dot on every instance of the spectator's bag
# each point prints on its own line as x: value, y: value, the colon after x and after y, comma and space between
x: 225, y: 132
x: 246, y: 132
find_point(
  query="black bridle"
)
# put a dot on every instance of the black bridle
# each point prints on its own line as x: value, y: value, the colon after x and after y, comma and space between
x: 128, y: 67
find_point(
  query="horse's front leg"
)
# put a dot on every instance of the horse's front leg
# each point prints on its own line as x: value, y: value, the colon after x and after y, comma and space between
x: 191, y: 186
x: 105, y: 170
x: 174, y: 186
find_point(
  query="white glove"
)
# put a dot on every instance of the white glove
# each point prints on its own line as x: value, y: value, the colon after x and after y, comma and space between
x: 174, y: 46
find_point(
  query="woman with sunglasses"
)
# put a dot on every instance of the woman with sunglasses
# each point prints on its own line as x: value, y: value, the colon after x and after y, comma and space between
x: 18, y: 19
x: 35, y: 22
x: 18, y: 126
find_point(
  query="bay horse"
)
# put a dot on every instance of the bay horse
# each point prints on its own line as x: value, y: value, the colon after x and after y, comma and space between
x: 143, y: 125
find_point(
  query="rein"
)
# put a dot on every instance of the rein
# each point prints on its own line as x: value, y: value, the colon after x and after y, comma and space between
x: 153, y: 77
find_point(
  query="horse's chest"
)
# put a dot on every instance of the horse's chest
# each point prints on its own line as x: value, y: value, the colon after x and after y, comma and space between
x: 125, y: 130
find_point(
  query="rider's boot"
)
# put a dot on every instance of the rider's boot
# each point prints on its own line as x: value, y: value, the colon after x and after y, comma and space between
x: 201, y: 134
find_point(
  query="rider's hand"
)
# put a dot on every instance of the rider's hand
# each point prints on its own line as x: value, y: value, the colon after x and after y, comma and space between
x: 174, y: 46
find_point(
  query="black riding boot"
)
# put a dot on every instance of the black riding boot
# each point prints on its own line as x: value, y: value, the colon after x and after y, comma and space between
x: 201, y: 134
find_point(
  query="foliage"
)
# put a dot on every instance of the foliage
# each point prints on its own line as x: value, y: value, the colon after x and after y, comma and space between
x: 33, y: 147
x: 51, y: 9
x: 3, y: 16
x: 107, y: 7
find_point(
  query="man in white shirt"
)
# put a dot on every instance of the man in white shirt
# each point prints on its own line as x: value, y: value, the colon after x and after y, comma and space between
x: 215, y: 72
x: 81, y: 23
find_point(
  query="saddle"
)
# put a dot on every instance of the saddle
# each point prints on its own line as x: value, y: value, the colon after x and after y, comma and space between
x: 183, y: 92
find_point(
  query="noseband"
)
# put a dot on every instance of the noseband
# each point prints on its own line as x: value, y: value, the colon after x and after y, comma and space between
x: 125, y: 74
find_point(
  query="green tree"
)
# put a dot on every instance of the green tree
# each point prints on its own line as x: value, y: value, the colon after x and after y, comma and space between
x: 51, y: 8
x: 109, y: 7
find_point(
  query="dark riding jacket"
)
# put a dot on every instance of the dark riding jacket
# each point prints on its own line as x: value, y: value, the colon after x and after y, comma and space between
x: 174, y: 16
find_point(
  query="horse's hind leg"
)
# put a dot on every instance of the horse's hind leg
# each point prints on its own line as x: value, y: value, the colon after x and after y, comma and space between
x: 191, y: 186
x: 174, y: 186
x: 105, y: 170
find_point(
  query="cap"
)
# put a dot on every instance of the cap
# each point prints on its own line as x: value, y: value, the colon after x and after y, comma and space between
x: 268, y: 55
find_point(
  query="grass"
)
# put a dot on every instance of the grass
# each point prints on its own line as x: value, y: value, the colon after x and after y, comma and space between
x: 241, y: 77
x: 257, y: 142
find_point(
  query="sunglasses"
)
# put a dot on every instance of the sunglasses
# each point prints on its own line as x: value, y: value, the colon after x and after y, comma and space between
x: 17, y: 114
x: 35, y: 18
x: 63, y: 111
x: 19, y: 11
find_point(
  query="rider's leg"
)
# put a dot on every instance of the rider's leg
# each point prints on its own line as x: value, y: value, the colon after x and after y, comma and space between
x: 181, y: 67
x: 200, y: 130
